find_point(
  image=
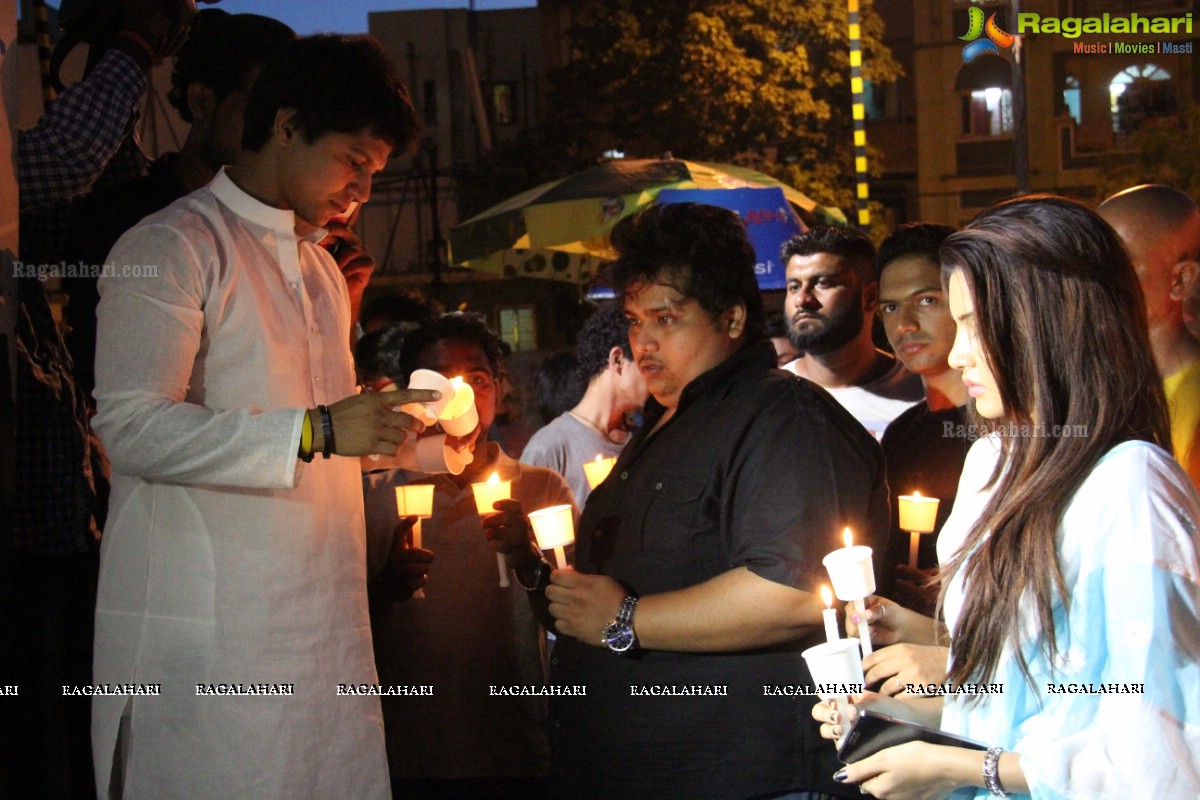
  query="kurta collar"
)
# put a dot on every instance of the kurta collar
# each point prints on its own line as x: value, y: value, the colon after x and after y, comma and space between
x: 280, y: 220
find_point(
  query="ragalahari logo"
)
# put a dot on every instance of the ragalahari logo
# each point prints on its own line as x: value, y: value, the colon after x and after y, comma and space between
x: 996, y: 36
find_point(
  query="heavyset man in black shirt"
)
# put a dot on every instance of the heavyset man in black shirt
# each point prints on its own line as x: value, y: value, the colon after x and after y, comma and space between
x: 698, y: 559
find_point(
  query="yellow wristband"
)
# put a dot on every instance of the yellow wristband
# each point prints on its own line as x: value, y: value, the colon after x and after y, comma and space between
x: 306, y: 436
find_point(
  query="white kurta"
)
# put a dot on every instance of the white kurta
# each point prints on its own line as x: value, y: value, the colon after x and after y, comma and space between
x: 225, y: 558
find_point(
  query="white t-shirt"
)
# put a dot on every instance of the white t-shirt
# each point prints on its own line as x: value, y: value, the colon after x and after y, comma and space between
x: 877, y: 403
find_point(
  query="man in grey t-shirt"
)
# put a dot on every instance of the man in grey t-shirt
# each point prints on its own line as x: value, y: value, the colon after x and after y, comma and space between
x: 596, y: 426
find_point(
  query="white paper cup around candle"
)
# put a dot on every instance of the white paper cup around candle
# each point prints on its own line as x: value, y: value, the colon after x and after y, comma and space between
x: 428, y: 379
x: 918, y: 513
x: 554, y: 528
x: 460, y: 416
x: 597, y: 470
x: 487, y: 493
x: 836, y: 669
x: 415, y: 500
x: 851, y: 572
x: 435, y: 455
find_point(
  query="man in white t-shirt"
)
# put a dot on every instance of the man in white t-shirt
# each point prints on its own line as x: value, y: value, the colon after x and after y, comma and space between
x: 832, y: 292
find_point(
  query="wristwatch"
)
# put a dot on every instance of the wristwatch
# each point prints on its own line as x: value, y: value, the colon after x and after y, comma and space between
x: 618, y: 635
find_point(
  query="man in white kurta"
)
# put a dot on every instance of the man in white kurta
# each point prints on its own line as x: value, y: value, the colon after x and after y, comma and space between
x: 228, y: 561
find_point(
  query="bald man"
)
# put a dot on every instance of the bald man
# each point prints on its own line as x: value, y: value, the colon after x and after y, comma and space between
x: 1161, y: 230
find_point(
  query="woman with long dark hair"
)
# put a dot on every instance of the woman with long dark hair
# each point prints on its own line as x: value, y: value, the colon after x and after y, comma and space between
x: 1070, y: 571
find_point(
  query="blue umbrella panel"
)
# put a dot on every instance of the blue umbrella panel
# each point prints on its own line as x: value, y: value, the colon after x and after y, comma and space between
x: 770, y: 221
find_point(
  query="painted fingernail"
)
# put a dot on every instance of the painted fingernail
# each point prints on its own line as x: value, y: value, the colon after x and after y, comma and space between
x: 837, y: 731
x: 855, y: 618
x: 833, y: 704
x: 834, y: 717
x: 840, y: 775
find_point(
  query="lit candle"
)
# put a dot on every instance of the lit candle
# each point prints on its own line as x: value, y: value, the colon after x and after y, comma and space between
x: 598, y: 470
x: 554, y: 528
x: 829, y: 615
x: 415, y: 500
x: 917, y: 515
x: 853, y: 578
x: 486, y: 496
x: 459, y: 417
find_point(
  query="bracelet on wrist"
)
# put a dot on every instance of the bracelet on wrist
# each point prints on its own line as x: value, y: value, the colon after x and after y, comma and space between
x: 991, y: 772
x: 541, y: 577
x: 328, y: 447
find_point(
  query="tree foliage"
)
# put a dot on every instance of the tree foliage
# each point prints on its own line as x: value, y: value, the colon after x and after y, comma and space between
x: 1164, y: 150
x: 765, y: 83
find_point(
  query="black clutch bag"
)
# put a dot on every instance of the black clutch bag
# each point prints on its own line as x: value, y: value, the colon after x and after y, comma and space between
x: 873, y: 732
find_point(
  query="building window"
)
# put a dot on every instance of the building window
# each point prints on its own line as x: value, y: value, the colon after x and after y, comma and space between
x: 988, y: 112
x: 504, y: 100
x: 1138, y: 93
x: 1072, y: 99
x: 985, y: 86
x: 518, y: 327
x: 882, y: 103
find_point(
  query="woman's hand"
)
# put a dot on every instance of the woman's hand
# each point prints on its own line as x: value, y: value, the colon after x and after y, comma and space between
x: 914, y: 771
x: 899, y: 666
x: 892, y: 623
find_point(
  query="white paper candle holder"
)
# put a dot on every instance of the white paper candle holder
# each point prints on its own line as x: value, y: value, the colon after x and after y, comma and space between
x: 851, y: 572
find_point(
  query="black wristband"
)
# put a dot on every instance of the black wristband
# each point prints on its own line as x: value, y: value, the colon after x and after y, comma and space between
x: 327, y: 431
x: 541, y: 577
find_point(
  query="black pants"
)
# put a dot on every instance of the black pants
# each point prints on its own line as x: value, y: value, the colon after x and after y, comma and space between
x: 47, y: 610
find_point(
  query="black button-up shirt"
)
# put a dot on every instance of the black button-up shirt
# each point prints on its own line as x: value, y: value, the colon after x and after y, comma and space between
x: 756, y: 469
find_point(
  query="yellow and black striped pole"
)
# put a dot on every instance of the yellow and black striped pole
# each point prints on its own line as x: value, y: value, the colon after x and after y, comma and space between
x: 863, y: 191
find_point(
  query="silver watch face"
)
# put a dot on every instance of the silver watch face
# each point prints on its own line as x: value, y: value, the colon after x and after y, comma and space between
x: 619, y: 637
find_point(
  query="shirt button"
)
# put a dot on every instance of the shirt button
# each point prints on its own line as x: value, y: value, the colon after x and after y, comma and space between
x: 554, y: 661
x: 658, y: 485
x: 624, y: 475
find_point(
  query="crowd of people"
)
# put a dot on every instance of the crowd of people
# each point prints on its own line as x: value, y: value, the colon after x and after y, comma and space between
x: 274, y: 627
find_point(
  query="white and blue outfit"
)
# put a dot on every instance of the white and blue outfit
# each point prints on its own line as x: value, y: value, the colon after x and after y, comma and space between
x: 1118, y: 714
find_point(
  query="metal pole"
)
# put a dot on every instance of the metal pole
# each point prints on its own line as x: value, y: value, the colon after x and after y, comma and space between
x: 1020, y: 117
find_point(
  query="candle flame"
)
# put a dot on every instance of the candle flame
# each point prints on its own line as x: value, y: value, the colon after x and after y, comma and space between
x: 599, y: 458
x: 847, y: 537
x: 456, y: 383
x: 916, y: 494
x: 827, y: 596
x: 495, y: 478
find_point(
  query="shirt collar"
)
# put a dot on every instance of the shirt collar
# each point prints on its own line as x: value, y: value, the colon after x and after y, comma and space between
x: 720, y: 378
x: 280, y: 220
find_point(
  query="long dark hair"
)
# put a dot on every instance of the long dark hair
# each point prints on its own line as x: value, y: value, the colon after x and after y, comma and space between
x: 1062, y: 324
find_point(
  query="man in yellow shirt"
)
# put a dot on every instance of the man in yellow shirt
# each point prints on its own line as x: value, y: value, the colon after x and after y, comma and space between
x: 1161, y: 230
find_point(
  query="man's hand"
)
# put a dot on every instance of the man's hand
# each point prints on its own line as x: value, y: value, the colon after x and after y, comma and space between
x: 163, y: 24
x: 901, y: 665
x: 583, y: 605
x: 352, y: 258
x: 508, y: 532
x: 406, y: 569
x: 365, y: 423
